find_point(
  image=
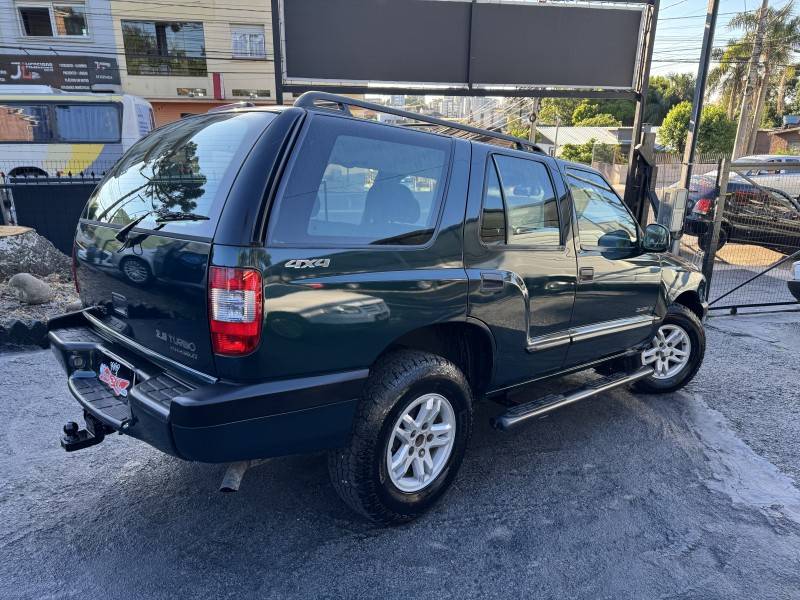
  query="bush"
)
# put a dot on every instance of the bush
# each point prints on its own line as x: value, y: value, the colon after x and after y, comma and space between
x: 717, y: 132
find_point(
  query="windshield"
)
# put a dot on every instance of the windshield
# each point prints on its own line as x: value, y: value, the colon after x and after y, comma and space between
x: 49, y: 123
x: 187, y: 166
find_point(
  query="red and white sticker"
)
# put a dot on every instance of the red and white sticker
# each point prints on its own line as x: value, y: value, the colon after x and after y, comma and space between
x: 108, y: 375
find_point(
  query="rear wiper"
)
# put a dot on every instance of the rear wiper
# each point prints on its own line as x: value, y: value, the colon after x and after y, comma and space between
x: 162, y: 216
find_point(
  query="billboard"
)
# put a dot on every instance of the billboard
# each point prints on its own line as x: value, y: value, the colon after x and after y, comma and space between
x: 68, y: 73
x: 462, y: 44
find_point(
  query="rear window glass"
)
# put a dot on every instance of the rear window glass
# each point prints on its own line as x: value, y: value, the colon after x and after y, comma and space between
x: 186, y: 166
x: 358, y: 183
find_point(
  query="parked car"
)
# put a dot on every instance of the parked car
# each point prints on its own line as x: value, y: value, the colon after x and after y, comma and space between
x: 364, y: 285
x: 774, y: 174
x: 753, y: 215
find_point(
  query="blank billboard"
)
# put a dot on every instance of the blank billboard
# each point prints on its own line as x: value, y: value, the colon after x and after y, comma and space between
x: 461, y: 43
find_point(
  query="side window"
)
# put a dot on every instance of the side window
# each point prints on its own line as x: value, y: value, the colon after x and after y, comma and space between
x: 530, y: 200
x: 357, y: 183
x: 493, y: 220
x: 603, y: 219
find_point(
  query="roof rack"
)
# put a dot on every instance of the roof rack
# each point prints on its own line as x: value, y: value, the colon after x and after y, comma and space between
x: 328, y: 101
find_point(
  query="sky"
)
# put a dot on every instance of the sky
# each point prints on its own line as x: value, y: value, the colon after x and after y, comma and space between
x: 679, y: 34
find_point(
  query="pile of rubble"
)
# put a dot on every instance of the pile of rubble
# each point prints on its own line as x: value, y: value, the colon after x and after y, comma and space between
x: 35, y: 285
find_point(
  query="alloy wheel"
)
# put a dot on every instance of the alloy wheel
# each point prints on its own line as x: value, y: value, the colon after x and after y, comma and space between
x: 421, y: 443
x: 669, y: 351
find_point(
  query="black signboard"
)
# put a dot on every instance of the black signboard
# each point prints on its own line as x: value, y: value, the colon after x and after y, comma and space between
x: 68, y: 73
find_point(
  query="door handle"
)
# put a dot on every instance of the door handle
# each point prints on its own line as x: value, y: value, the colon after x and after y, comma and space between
x: 585, y: 273
x: 492, y: 282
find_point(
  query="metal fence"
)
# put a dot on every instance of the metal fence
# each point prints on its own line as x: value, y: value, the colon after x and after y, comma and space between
x: 743, y: 226
x: 757, y: 207
x: 49, y: 199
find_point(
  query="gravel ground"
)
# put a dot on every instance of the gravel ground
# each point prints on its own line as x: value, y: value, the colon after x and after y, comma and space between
x: 626, y: 496
x: 12, y: 309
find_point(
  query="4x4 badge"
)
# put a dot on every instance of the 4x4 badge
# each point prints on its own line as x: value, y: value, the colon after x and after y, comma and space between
x: 307, y: 263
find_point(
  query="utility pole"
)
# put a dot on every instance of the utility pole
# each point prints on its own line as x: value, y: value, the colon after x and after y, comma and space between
x: 743, y: 129
x: 699, y: 93
x: 534, y: 117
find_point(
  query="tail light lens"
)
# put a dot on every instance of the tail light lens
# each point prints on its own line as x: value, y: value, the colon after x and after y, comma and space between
x: 235, y: 306
x: 702, y: 206
x: 74, y: 269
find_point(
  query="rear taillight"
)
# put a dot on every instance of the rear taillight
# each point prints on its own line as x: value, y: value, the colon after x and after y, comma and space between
x: 74, y: 269
x: 702, y: 206
x: 235, y: 308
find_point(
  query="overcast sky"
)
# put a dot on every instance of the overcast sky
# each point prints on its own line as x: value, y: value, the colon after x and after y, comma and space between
x: 679, y: 36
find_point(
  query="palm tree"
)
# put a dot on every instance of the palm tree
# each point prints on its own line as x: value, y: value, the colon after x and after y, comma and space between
x: 728, y: 78
x: 781, y: 37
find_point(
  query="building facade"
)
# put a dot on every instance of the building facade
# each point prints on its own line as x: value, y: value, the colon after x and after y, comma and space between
x: 184, y: 57
x: 187, y: 58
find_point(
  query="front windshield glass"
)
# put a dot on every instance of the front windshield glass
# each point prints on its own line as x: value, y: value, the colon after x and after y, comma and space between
x: 186, y: 166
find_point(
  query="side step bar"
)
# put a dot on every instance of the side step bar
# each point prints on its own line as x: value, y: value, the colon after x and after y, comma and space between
x: 536, y: 408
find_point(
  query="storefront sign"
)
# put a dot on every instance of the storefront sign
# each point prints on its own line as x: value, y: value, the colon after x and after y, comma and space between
x: 68, y: 73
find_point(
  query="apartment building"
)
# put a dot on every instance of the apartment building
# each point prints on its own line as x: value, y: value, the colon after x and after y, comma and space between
x: 188, y: 56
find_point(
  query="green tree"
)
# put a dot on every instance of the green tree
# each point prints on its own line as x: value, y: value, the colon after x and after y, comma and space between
x: 553, y: 109
x: 581, y: 153
x: 716, y: 135
x: 621, y: 111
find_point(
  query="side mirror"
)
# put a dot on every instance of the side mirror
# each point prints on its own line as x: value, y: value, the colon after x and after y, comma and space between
x: 656, y: 238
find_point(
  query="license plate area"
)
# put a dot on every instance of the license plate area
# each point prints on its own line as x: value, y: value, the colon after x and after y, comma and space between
x: 113, y: 372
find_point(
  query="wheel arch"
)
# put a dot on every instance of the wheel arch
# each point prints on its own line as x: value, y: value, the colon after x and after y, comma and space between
x: 467, y: 344
x: 691, y: 300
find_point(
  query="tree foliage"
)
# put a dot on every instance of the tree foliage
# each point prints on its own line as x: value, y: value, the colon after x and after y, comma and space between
x: 717, y: 130
x: 581, y: 153
x: 600, y: 120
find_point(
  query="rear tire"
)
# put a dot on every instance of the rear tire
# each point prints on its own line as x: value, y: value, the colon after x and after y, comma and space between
x: 402, y: 386
x: 687, y: 332
x: 704, y: 241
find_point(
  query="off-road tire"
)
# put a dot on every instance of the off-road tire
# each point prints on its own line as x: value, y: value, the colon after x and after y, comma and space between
x: 358, y: 471
x: 681, y: 316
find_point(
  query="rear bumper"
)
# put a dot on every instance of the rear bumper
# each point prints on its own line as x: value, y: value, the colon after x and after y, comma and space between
x: 197, y: 420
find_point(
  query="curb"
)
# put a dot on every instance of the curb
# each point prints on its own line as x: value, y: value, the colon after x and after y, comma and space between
x: 23, y: 333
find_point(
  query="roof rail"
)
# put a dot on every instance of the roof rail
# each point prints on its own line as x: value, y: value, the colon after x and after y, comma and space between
x: 328, y: 101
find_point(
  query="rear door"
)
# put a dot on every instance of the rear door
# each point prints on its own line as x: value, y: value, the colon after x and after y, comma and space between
x: 618, y: 284
x: 520, y: 261
x: 151, y: 287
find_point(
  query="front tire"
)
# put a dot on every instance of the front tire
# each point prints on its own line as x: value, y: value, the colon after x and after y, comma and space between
x: 675, y: 352
x: 409, y: 437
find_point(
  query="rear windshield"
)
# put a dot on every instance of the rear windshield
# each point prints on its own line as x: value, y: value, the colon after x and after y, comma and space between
x: 187, y: 166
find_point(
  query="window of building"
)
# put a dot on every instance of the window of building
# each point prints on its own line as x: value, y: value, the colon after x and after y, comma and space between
x: 603, y: 220
x: 356, y: 184
x: 240, y: 93
x: 248, y: 41
x: 164, y: 48
x: 523, y: 189
x: 53, y: 20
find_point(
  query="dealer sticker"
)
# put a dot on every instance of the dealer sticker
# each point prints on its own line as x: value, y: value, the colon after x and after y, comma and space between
x: 108, y: 375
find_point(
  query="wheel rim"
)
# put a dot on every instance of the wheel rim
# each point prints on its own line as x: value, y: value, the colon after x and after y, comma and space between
x: 135, y: 272
x: 421, y: 443
x: 669, y: 351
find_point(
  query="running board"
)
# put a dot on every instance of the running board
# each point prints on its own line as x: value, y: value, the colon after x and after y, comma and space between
x: 541, y: 406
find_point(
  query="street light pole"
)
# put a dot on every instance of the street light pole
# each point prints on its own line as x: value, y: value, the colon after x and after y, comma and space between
x: 699, y: 93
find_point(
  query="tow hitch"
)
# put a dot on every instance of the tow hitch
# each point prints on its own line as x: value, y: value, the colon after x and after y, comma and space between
x: 75, y: 438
